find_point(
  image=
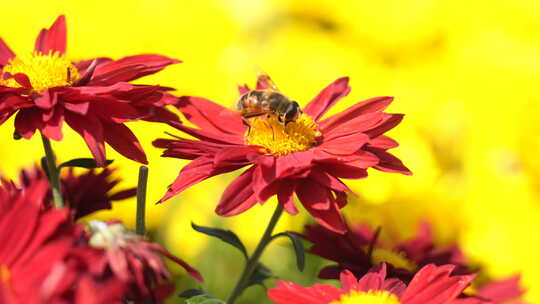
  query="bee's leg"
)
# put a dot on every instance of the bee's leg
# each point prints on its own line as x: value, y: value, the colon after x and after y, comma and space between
x: 245, y: 123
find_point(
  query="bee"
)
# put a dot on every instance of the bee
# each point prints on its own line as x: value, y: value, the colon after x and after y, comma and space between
x: 269, y: 101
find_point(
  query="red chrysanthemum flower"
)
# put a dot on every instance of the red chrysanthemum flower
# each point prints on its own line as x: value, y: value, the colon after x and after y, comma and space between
x: 85, y: 193
x: 307, y: 157
x: 359, y: 249
x: 132, y: 259
x: 34, y: 242
x: 93, y: 97
x: 431, y: 285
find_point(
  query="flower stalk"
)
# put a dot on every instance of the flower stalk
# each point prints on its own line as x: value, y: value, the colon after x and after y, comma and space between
x: 53, y: 173
x: 253, y: 260
x: 140, y: 228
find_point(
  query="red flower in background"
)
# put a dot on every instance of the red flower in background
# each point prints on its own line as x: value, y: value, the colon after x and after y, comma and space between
x: 34, y: 243
x: 431, y: 285
x: 85, y: 193
x: 132, y: 259
x: 359, y: 249
x: 46, y: 257
x: 93, y: 97
x: 308, y: 156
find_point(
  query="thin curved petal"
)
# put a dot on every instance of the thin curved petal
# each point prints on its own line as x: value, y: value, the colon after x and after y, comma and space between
x: 388, y: 162
x: 329, y: 96
x: 434, y: 285
x: 291, y: 293
x: 91, y: 129
x: 210, y: 116
x: 130, y: 68
x: 53, y: 39
x: 5, y: 53
x: 120, y: 138
x: 239, y: 195
x: 388, y: 123
x: 376, y: 104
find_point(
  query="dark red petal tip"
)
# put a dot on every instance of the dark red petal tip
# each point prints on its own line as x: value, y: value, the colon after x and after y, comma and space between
x: 53, y: 39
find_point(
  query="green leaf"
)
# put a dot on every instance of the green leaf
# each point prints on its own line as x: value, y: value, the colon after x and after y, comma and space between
x: 203, y: 299
x: 258, y: 276
x: 190, y: 293
x: 227, y: 236
x: 298, y: 248
x: 88, y: 163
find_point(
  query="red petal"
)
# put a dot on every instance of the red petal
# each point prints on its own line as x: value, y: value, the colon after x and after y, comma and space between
x: 210, y: 116
x: 209, y: 136
x: 348, y: 280
x: 235, y: 155
x: 294, y: 163
x: 383, y: 142
x: 388, y: 123
x: 130, y: 68
x: 45, y: 101
x: 239, y: 195
x: 434, y: 285
x: 314, y: 196
x: 53, y: 39
x: 344, y: 144
x: 291, y: 293
x: 338, y: 89
x: 27, y: 121
x: 389, y: 163
x: 192, y: 271
x: 376, y: 104
x: 80, y: 108
x: 120, y: 138
x: 328, y: 181
x: 23, y: 80
x: 502, y: 290
x: 193, y: 173
x: 5, y: 53
x: 91, y: 129
x: 373, y: 280
x: 53, y: 126
x: 285, y: 196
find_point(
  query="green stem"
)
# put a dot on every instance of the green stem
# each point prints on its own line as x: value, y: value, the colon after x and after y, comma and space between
x: 253, y: 261
x: 53, y: 173
x: 141, y: 200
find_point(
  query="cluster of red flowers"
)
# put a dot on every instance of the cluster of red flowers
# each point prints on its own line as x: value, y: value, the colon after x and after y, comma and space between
x: 52, y: 258
x: 49, y: 258
x: 411, y: 271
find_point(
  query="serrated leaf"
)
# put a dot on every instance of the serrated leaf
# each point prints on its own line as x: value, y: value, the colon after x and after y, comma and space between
x: 88, y: 163
x: 227, y: 236
x: 258, y: 276
x: 298, y: 248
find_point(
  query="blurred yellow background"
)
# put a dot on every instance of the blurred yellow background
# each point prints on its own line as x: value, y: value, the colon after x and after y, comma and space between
x: 465, y: 73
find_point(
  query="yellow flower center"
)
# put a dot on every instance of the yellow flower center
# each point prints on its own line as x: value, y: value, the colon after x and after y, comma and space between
x: 43, y: 71
x: 397, y: 259
x: 370, y: 297
x: 5, y: 275
x: 278, y: 139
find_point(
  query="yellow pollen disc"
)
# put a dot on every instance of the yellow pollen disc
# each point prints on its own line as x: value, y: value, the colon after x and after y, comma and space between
x: 397, y: 259
x: 4, y: 274
x: 44, y: 71
x: 370, y: 297
x: 278, y: 139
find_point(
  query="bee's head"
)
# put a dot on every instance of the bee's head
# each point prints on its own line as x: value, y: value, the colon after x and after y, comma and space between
x: 292, y: 112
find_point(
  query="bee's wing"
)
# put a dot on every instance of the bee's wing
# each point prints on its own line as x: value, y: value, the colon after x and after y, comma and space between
x: 264, y: 82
